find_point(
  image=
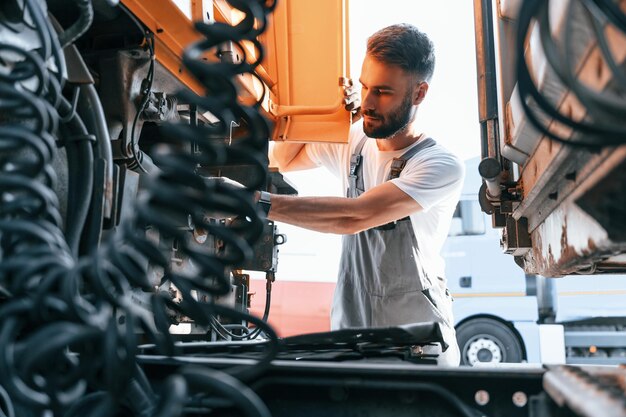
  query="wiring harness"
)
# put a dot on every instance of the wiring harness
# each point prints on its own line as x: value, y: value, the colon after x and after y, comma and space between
x: 603, y: 124
x: 69, y: 324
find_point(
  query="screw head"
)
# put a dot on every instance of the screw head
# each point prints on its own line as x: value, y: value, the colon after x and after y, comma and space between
x: 520, y: 399
x: 481, y: 397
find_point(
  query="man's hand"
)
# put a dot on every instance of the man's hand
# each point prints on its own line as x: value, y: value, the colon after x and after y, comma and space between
x: 352, y: 100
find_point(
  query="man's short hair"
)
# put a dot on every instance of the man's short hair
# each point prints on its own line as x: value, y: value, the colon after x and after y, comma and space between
x: 405, y: 46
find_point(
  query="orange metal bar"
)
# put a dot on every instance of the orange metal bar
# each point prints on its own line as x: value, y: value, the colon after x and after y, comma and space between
x: 173, y: 31
x: 280, y: 111
x: 197, y: 10
x: 310, y: 58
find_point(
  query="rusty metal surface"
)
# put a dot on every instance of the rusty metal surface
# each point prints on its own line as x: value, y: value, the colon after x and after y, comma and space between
x: 562, y: 176
x: 584, y: 229
x: 572, y: 197
x: 555, y: 251
x: 544, y: 172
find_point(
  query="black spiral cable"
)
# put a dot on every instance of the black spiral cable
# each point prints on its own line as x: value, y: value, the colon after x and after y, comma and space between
x: 179, y: 191
x: 598, y: 131
x: 36, y: 324
x: 68, y: 325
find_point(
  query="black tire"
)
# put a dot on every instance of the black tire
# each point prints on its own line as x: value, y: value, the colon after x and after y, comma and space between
x: 488, y: 341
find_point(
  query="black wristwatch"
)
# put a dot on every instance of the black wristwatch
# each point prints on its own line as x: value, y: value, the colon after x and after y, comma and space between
x: 265, y: 201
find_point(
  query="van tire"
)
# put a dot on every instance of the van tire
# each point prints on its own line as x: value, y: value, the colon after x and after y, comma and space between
x: 487, y: 340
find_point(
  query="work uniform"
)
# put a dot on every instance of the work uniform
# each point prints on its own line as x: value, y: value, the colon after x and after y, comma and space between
x: 393, y: 274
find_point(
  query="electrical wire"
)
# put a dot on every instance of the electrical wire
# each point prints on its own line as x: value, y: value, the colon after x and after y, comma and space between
x: 78, y: 144
x: 597, y: 132
x: 38, y: 323
x: 68, y: 330
x: 225, y: 332
x: 146, y: 87
x: 186, y: 190
x: 7, y: 404
x: 596, y: 20
x: 144, y: 101
x: 79, y: 27
x: 600, y: 106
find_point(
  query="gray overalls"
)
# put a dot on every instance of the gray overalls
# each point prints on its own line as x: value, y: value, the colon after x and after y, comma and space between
x: 381, y: 280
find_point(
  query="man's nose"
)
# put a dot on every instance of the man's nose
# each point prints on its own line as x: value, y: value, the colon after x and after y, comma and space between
x: 367, y: 100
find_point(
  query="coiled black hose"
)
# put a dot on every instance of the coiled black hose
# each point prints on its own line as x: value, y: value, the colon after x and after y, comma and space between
x: 80, y: 26
x: 35, y: 321
x: 67, y: 325
x: 179, y: 191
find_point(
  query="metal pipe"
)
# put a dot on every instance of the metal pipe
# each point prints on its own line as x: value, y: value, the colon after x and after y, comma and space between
x: 281, y: 111
x: 486, y: 78
x: 490, y: 170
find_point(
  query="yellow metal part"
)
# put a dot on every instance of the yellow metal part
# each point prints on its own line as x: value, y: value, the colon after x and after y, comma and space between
x: 305, y: 54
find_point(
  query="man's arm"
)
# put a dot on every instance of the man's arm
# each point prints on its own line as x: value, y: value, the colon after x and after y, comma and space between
x: 379, y: 205
x: 290, y: 157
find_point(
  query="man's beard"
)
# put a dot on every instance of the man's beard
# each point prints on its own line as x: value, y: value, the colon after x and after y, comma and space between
x: 391, y: 125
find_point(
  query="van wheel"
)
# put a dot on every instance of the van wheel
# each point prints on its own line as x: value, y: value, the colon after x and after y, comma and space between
x: 486, y: 340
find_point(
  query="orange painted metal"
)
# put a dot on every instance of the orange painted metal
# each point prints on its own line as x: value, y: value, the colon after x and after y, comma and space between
x: 197, y: 10
x: 299, y: 77
x: 310, y: 58
x: 173, y: 31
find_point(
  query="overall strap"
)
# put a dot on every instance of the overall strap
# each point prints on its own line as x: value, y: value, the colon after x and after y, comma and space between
x: 355, y: 179
x: 397, y: 165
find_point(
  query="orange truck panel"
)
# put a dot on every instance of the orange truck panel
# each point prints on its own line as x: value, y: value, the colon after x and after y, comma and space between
x: 308, y: 46
x: 305, y: 65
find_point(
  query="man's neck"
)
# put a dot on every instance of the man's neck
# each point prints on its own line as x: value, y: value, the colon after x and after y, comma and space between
x: 401, y: 140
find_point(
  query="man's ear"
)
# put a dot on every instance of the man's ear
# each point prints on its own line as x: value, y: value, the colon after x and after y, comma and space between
x: 420, y: 92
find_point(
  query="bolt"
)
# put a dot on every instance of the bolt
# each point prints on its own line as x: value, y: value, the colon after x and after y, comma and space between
x: 520, y: 399
x: 417, y: 350
x: 481, y: 397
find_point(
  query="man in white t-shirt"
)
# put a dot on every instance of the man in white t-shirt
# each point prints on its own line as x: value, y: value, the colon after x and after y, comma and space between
x: 401, y: 191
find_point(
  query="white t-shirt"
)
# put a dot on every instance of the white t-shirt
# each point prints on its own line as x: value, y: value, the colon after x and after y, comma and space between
x: 433, y: 178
